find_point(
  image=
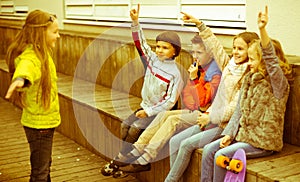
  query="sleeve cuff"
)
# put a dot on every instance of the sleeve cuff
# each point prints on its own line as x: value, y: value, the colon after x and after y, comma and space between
x: 201, y: 27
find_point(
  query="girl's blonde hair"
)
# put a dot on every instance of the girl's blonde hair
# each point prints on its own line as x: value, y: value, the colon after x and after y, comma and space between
x: 283, y: 63
x: 33, y: 33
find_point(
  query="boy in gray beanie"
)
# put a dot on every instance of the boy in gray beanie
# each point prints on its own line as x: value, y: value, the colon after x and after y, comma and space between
x: 161, y: 89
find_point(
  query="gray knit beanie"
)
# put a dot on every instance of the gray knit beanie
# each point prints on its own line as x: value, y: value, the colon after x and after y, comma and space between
x: 172, y: 38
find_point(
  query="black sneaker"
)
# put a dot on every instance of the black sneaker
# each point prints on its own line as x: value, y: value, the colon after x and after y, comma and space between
x: 120, y: 174
x: 109, y: 169
x: 135, y: 168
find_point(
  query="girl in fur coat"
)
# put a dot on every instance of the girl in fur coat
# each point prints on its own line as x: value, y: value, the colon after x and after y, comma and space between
x: 258, y: 133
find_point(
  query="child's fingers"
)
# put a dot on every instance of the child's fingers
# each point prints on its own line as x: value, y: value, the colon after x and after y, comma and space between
x: 138, y: 8
x: 183, y: 13
x: 266, y: 10
x: 10, y: 90
x: 259, y: 14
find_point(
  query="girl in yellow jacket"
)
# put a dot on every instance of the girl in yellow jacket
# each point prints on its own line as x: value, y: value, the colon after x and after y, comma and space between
x: 34, y: 87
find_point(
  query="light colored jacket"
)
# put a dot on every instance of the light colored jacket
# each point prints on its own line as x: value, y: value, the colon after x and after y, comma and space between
x: 226, y: 98
x: 162, y: 82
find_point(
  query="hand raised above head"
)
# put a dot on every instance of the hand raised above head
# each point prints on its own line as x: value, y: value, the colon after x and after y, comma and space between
x: 190, y: 19
x: 263, y: 18
x: 134, y: 13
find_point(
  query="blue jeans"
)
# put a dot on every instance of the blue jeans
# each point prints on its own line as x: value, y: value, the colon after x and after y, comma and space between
x: 210, y: 171
x: 182, y: 146
x: 40, y: 144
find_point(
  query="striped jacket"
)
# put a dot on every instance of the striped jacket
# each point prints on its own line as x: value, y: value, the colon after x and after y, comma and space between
x: 162, y: 82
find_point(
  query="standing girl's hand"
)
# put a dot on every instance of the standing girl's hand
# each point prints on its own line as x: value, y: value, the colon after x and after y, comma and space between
x: 18, y: 83
x: 263, y: 18
x: 225, y: 141
x: 190, y: 19
x: 134, y: 15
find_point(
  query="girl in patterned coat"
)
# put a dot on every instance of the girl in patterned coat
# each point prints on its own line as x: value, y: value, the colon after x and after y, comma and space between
x: 257, y: 123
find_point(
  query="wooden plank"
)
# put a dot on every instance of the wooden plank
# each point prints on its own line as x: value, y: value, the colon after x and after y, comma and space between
x: 70, y: 161
x: 292, y: 117
x: 277, y: 168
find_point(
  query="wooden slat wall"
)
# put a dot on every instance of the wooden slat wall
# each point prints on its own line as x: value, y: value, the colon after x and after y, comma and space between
x: 292, y: 116
x: 114, y: 63
x: 109, y: 62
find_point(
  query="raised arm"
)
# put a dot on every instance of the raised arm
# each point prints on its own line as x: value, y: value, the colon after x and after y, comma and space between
x: 262, y: 21
x: 190, y: 19
x: 211, y: 41
x: 278, y: 80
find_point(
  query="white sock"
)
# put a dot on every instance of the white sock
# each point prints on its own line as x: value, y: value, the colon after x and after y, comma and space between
x: 135, y: 152
x: 144, y: 159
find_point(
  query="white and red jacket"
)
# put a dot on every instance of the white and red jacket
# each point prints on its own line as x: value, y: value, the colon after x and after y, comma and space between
x: 162, y: 82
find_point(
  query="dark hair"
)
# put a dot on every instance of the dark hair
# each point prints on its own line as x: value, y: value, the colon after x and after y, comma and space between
x: 172, y: 38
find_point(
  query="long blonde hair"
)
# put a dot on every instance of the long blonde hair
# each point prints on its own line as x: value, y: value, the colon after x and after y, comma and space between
x: 283, y: 63
x: 33, y: 33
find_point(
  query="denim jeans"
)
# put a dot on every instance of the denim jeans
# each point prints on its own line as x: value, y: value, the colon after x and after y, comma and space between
x: 40, y: 143
x: 212, y: 172
x: 182, y: 146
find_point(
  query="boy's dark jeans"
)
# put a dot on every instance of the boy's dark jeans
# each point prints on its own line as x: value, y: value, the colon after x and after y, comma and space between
x: 40, y: 143
x: 131, y: 129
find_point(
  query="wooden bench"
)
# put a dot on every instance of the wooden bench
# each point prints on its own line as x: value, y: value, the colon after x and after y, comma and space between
x: 90, y: 118
x: 92, y: 108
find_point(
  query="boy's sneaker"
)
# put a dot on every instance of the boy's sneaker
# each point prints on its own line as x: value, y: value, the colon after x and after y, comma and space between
x: 120, y: 174
x: 135, y: 168
x: 109, y: 169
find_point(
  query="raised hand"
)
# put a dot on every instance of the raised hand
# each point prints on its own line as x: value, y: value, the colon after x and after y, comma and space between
x: 134, y: 14
x: 263, y: 18
x: 262, y: 21
x: 190, y: 19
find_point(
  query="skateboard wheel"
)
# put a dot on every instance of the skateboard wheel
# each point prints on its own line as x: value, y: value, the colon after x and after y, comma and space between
x: 236, y: 165
x: 222, y: 161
